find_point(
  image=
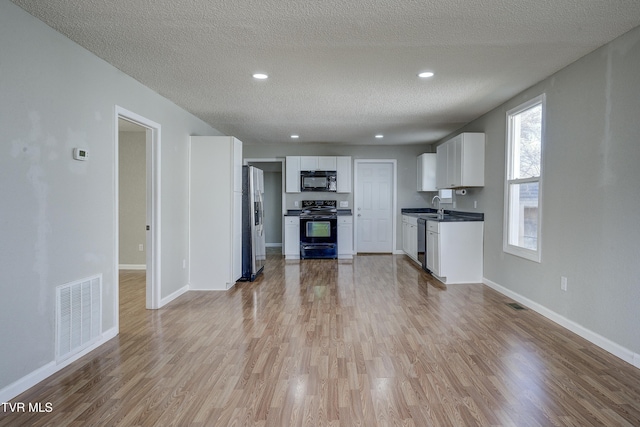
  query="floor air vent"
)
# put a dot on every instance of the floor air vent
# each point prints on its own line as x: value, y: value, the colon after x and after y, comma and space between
x: 78, y: 316
x: 515, y: 306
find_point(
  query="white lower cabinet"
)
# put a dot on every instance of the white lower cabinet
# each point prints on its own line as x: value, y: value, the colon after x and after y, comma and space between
x: 410, y: 236
x: 292, y: 237
x: 345, y: 236
x: 454, y: 251
x: 433, y: 249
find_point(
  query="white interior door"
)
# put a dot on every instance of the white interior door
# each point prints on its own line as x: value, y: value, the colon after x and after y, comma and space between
x: 375, y: 195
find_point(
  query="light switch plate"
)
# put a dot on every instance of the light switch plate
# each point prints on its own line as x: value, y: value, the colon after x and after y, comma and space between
x: 344, y: 203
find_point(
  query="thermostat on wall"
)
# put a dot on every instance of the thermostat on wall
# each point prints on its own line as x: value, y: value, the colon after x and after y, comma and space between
x: 80, y: 154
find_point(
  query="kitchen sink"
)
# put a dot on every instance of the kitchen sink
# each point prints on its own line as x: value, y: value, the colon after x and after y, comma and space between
x: 432, y: 215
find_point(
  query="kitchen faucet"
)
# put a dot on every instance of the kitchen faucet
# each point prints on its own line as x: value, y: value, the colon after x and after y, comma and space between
x: 440, y: 210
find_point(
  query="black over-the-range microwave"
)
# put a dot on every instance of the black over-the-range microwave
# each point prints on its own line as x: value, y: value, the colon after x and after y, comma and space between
x: 318, y: 181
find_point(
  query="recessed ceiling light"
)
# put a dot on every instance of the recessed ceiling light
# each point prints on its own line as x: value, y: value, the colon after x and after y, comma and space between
x: 379, y: 136
x: 295, y: 136
x: 425, y: 74
x: 260, y: 76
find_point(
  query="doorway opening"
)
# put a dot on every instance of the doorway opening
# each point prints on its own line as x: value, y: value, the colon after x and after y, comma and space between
x: 274, y: 200
x: 137, y: 190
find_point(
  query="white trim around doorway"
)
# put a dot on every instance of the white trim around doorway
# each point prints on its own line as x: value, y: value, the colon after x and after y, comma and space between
x: 153, y: 263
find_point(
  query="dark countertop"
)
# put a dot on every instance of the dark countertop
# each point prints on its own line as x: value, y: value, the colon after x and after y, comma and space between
x: 449, y: 216
x: 297, y: 212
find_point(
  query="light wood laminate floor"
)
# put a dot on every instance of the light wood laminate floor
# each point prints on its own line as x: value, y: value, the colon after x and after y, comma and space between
x: 373, y: 342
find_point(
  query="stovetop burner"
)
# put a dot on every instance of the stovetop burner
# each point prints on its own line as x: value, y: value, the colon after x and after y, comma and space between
x: 319, y: 207
x: 325, y: 204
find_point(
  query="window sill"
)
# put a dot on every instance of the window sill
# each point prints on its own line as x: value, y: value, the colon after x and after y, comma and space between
x: 522, y: 253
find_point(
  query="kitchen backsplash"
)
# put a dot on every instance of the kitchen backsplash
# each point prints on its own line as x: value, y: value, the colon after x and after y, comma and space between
x: 320, y: 195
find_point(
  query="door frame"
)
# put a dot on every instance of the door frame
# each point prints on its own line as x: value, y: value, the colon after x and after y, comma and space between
x: 394, y: 190
x: 153, y: 241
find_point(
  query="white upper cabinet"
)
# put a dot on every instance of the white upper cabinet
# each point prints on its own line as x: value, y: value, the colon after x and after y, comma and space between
x: 340, y: 164
x: 427, y: 172
x: 308, y: 163
x: 460, y: 161
x: 441, y: 166
x: 318, y: 163
x: 292, y: 174
x: 343, y: 175
x: 326, y: 163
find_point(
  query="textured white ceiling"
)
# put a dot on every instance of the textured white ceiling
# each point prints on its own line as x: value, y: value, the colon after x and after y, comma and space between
x: 340, y: 71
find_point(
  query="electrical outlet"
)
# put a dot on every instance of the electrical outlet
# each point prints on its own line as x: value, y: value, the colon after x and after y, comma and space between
x: 296, y: 204
x: 563, y: 283
x: 475, y: 204
x: 141, y: 247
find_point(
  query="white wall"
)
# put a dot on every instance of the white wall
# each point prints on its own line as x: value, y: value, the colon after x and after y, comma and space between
x: 57, y: 217
x: 591, y: 207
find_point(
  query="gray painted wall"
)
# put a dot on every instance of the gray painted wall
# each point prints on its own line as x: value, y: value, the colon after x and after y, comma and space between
x: 590, y: 203
x: 132, y: 194
x: 57, y: 219
x: 406, y: 156
x: 273, y: 207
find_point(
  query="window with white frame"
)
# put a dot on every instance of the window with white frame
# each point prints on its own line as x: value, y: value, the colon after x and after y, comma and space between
x: 525, y: 133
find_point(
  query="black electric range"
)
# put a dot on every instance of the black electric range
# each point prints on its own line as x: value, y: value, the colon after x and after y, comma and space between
x: 319, y: 229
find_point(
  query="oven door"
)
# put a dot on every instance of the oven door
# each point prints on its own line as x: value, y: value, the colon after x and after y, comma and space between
x: 319, y: 236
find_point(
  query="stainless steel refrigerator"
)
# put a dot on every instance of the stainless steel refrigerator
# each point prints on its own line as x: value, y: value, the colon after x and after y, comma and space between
x: 253, y: 240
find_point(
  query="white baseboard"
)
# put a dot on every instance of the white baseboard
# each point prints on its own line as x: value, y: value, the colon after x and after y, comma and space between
x: 166, y: 300
x: 604, y: 343
x: 132, y: 267
x: 273, y: 245
x: 42, y: 373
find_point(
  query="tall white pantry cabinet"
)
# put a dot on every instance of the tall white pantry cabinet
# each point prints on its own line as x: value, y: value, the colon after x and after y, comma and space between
x: 215, y: 212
